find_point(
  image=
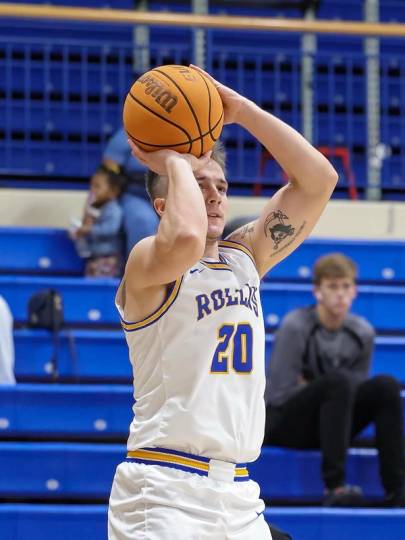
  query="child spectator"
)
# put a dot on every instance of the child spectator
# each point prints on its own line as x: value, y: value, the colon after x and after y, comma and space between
x: 98, y: 238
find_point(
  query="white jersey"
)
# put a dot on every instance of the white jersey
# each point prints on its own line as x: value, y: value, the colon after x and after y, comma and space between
x: 198, y: 362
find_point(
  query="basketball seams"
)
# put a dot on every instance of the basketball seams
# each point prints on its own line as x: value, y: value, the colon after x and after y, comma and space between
x: 190, y: 142
x: 209, y: 105
x: 187, y: 101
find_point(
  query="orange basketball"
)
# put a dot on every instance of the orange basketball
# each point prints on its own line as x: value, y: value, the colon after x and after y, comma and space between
x: 174, y: 107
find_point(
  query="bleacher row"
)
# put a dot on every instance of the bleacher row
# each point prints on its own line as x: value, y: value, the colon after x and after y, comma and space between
x: 60, y: 441
x: 64, y: 85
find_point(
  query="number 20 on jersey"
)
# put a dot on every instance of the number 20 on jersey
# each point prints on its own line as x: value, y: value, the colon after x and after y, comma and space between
x: 234, y: 349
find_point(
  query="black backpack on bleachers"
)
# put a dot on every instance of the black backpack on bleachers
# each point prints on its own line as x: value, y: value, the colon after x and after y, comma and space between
x: 45, y: 310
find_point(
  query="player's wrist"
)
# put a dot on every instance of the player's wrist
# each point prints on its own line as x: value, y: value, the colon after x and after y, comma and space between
x: 246, y: 109
x: 175, y: 162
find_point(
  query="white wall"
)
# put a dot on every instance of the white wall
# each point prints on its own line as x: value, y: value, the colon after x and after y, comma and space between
x: 346, y: 219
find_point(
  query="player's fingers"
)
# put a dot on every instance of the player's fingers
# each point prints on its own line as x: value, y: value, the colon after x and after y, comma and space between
x: 201, y: 161
x: 136, y: 151
x: 132, y: 145
x: 207, y: 155
x: 210, y: 77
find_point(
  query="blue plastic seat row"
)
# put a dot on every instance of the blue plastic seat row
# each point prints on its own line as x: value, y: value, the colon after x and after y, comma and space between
x: 52, y: 252
x: 102, y: 356
x: 88, y: 411
x: 80, y: 471
x: 91, y: 301
x: 81, y: 522
x: 65, y: 411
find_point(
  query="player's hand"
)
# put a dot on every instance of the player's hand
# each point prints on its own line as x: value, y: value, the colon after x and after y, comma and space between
x: 158, y: 161
x: 231, y: 100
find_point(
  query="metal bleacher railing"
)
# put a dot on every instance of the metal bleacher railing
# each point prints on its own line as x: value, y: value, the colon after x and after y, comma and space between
x: 64, y: 84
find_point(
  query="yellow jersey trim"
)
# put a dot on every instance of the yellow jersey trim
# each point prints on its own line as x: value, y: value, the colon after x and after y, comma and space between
x: 129, y: 326
x: 159, y: 456
x: 169, y: 458
x: 239, y: 246
x: 216, y: 265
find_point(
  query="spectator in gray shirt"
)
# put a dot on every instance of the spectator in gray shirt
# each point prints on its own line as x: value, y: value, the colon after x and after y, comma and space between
x: 319, y: 394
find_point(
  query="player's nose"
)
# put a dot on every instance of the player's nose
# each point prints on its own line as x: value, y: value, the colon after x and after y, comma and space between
x: 213, y: 195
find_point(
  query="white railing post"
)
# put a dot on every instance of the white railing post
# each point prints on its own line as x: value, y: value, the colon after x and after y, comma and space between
x: 374, y: 160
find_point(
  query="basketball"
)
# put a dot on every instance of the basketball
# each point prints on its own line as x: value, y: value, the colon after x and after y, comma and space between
x: 174, y: 107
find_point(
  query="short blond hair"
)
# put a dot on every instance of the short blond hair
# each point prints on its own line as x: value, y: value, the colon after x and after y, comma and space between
x: 334, y: 265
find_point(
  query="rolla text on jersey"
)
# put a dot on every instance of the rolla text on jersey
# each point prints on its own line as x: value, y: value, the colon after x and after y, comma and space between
x: 222, y: 298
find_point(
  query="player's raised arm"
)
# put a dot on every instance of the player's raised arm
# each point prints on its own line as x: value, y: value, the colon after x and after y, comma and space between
x: 290, y: 215
x: 180, y: 239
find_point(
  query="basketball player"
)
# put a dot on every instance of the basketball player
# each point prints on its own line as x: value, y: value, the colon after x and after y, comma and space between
x: 190, y: 308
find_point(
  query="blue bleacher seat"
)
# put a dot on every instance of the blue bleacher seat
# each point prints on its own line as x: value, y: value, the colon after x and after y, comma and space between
x: 340, y: 10
x: 338, y: 524
x: 88, y: 411
x: 286, y: 474
x: 91, y: 355
x: 392, y: 11
x: 386, y: 265
x: 81, y: 471
x: 84, y: 355
x: 91, y: 301
x: 64, y: 522
x: 86, y: 300
x: 18, y: 521
x: 381, y: 305
x: 51, y: 251
x: 58, y: 470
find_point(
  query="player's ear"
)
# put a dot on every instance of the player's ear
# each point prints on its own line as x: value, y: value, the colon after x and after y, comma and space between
x: 317, y: 293
x: 159, y: 205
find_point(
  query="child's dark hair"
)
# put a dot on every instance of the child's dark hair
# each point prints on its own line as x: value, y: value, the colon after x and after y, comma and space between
x: 115, y: 176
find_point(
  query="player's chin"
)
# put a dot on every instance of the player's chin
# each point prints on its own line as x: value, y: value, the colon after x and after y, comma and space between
x: 340, y: 309
x: 214, y: 232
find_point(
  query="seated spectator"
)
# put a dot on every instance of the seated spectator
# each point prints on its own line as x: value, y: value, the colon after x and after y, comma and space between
x: 139, y: 218
x: 98, y: 238
x: 6, y: 344
x: 319, y: 394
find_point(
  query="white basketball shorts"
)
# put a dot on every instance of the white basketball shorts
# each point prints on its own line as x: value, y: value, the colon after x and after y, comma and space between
x: 155, y: 502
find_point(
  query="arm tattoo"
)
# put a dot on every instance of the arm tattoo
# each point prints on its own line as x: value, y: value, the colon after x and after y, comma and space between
x: 240, y: 234
x: 276, y: 226
x: 246, y: 230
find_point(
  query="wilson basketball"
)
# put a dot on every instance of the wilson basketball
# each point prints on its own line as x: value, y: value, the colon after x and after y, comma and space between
x: 174, y: 107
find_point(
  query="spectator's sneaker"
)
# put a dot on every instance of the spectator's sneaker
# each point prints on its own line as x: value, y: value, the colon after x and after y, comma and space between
x: 344, y: 496
x: 395, y: 499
